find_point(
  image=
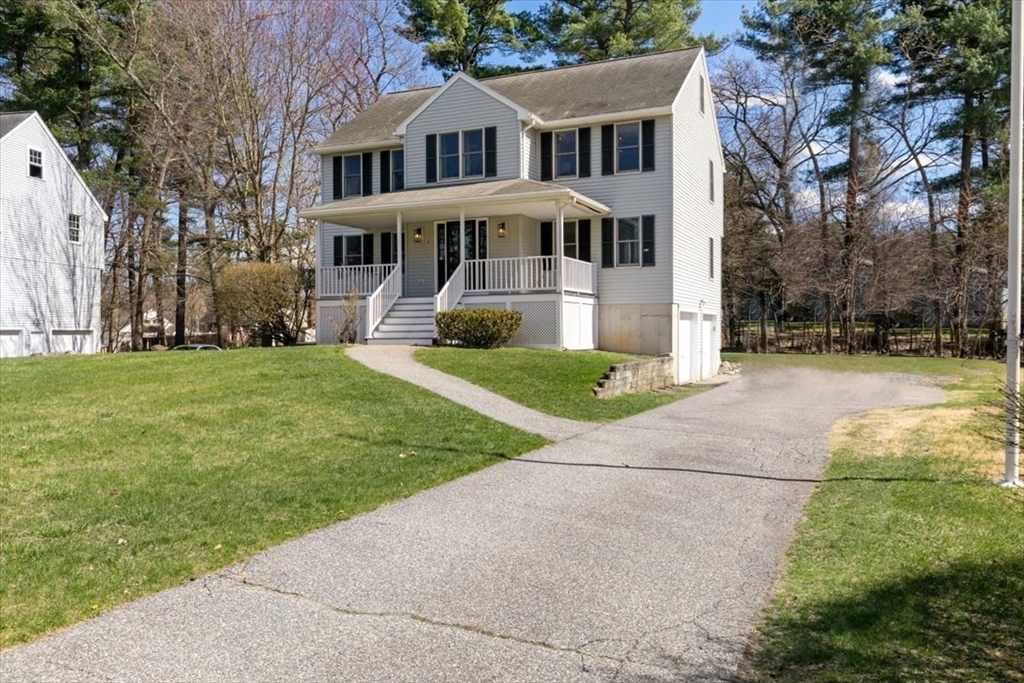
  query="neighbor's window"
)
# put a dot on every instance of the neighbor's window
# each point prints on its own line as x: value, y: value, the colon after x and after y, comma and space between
x: 570, y: 239
x: 353, y: 250
x: 627, y: 241
x: 397, y: 170
x: 449, y: 155
x: 74, y: 228
x: 565, y: 154
x: 353, y: 175
x: 627, y: 147
x: 35, y: 163
x: 472, y: 152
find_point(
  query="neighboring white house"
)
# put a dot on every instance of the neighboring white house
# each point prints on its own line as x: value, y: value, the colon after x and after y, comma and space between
x: 51, y: 245
x: 587, y: 197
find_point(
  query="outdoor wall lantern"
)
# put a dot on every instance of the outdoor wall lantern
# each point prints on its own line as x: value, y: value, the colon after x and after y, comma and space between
x: 501, y: 230
x: 418, y: 235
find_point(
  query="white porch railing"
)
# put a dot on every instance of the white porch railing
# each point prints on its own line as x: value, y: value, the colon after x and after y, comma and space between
x: 579, y: 276
x: 528, y: 274
x: 448, y: 297
x: 340, y: 280
x: 383, y: 298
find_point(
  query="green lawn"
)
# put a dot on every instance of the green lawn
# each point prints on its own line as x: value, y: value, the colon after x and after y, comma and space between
x: 123, y: 475
x: 555, y: 382
x: 909, y: 564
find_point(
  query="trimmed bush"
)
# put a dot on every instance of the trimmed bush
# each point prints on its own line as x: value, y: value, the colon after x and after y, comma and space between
x: 482, y: 328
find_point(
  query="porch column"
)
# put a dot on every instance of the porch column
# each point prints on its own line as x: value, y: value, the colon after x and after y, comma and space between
x: 398, y: 236
x: 318, y: 234
x: 462, y: 235
x: 560, y: 270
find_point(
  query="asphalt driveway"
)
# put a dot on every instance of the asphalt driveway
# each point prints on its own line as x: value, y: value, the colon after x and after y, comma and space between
x: 642, y: 550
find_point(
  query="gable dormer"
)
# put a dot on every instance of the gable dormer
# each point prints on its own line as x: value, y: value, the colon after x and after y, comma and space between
x: 465, y: 132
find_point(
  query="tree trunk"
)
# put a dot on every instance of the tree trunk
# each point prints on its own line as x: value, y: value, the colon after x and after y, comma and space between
x: 961, y: 268
x: 180, y: 299
x: 211, y: 240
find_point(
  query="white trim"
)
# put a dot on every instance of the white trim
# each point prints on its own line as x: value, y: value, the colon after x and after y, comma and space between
x: 460, y: 133
x: 639, y: 242
x: 612, y: 117
x: 462, y: 240
x: 639, y: 147
x: 521, y: 113
x: 78, y: 228
x: 334, y: 150
x: 329, y: 212
x: 345, y: 176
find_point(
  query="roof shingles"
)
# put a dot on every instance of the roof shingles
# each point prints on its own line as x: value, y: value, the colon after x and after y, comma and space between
x: 595, y: 89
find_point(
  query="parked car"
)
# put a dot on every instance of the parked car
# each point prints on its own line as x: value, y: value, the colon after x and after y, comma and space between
x: 196, y: 347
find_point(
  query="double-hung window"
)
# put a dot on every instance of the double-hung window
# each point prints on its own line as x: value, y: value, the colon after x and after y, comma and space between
x: 627, y: 242
x: 74, y: 228
x: 449, y: 155
x: 35, y: 163
x: 570, y: 239
x: 353, y: 250
x: 397, y: 170
x: 566, y: 148
x: 472, y: 153
x: 627, y: 147
x: 353, y: 175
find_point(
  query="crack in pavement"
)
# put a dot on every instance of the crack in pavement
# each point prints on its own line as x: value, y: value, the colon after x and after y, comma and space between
x: 469, y: 628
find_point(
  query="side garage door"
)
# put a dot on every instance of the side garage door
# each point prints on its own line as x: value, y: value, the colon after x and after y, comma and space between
x: 11, y: 344
x: 684, y: 352
x: 72, y: 341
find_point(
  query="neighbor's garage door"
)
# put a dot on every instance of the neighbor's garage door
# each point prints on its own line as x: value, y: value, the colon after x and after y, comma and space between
x: 72, y: 341
x: 11, y: 344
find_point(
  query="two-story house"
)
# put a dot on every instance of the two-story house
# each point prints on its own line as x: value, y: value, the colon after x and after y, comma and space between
x: 51, y: 245
x: 587, y: 197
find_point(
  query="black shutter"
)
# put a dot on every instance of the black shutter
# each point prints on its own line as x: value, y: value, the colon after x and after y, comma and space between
x: 385, y: 247
x: 545, y: 156
x: 385, y: 171
x: 583, y: 240
x: 339, y: 170
x: 647, y: 151
x: 367, y: 174
x: 339, y: 250
x: 547, y: 239
x: 432, y: 158
x: 583, y: 140
x: 607, y: 242
x: 608, y: 149
x: 490, y: 151
x: 367, y: 249
x: 647, y: 241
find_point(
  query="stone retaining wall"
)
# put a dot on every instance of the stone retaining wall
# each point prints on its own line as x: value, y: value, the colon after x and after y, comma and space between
x: 636, y: 376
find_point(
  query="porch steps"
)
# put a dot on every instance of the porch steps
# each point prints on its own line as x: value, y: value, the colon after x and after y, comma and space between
x: 410, y: 321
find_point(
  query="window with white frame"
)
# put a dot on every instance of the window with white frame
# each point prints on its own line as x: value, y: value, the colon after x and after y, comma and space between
x: 74, y: 228
x: 353, y: 250
x: 397, y: 170
x: 472, y: 153
x: 566, y: 154
x: 570, y: 239
x: 353, y: 175
x: 448, y: 157
x: 627, y: 147
x: 627, y: 241
x: 35, y: 163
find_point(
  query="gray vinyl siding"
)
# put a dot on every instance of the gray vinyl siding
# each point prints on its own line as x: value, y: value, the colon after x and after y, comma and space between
x: 419, y: 275
x: 697, y: 217
x: 462, y: 107
x: 327, y: 173
x: 633, y: 195
x: 330, y: 231
x: 46, y: 282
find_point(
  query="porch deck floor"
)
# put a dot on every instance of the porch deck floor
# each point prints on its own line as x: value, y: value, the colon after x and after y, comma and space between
x: 398, y: 361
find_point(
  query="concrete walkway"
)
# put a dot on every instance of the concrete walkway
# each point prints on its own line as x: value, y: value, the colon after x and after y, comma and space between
x: 397, y: 361
x: 641, y: 550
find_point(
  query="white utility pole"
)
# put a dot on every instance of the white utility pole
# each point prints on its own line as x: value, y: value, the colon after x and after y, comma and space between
x: 1011, y: 477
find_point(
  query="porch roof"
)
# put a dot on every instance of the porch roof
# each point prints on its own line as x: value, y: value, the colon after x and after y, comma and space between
x: 498, y: 197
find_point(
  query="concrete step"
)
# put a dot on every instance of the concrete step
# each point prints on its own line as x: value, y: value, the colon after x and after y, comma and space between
x: 425, y: 309
x: 416, y: 300
x: 406, y: 327
x: 410, y: 313
x: 404, y: 342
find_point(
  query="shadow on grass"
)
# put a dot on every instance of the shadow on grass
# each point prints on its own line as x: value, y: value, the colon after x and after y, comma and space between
x: 962, y: 623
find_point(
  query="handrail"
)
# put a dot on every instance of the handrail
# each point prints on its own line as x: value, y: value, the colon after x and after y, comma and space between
x: 383, y: 298
x: 449, y: 296
x: 341, y: 280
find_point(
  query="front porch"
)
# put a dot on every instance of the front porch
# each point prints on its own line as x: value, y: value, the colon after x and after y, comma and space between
x: 527, y: 248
